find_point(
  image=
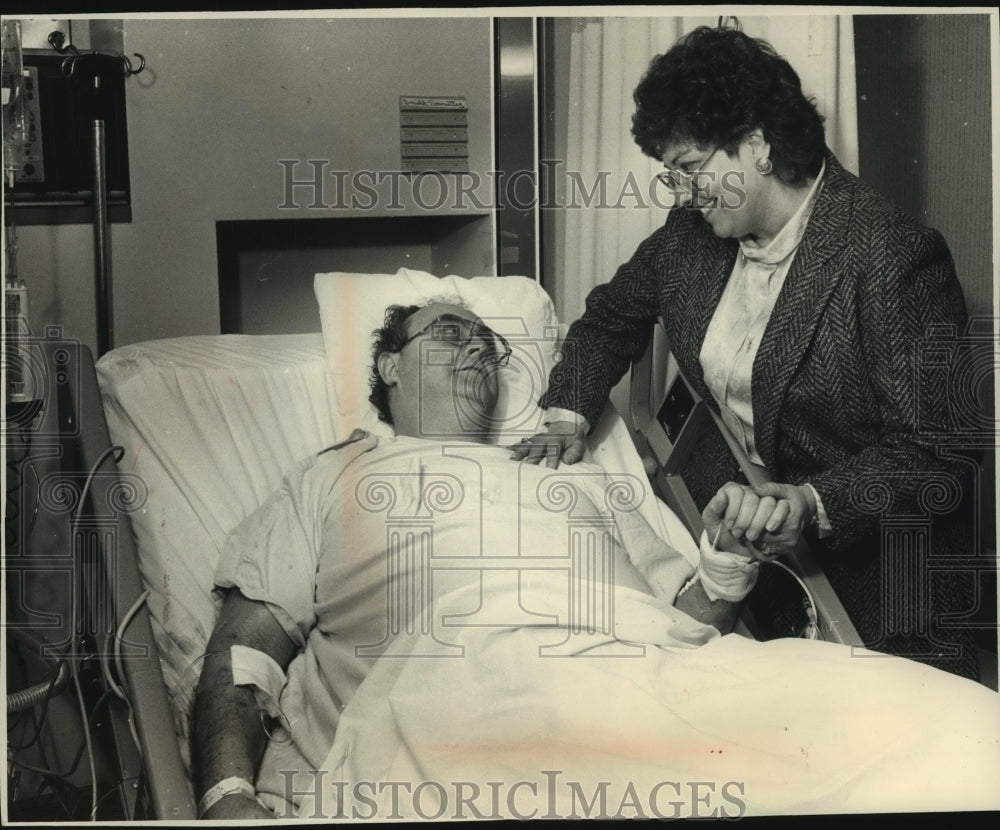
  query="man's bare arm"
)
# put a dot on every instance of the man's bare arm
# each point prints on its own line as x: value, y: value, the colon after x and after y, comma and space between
x: 718, y: 613
x: 229, y: 737
x: 725, y: 561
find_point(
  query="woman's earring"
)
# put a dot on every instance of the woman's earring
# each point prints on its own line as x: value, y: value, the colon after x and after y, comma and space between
x: 763, y: 166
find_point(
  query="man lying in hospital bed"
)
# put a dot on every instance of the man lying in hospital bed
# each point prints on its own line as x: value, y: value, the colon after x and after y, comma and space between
x: 314, y: 567
x: 484, y: 573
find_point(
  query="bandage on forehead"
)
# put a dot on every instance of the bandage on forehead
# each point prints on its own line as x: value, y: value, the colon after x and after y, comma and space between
x: 259, y: 670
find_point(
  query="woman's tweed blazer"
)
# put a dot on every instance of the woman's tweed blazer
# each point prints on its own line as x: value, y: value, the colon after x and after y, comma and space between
x: 842, y: 397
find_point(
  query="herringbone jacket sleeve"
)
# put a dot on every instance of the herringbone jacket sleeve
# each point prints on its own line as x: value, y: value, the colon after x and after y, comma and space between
x: 902, y: 288
x: 613, y: 330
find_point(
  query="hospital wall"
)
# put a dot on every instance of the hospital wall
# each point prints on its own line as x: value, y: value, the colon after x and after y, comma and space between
x: 924, y: 127
x: 219, y: 104
x: 221, y: 101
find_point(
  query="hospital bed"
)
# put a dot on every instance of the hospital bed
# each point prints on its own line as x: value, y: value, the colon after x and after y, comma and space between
x: 208, y: 426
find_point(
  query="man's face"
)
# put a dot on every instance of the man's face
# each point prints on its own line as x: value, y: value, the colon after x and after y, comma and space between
x: 447, y: 374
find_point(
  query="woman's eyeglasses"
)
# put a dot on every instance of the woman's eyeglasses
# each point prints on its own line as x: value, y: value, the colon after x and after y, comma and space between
x: 459, y: 332
x: 683, y: 181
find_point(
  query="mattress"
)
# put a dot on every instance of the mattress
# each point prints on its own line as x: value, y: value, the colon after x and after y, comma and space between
x: 210, y: 424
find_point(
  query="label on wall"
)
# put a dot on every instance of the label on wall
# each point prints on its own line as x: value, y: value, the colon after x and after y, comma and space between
x: 433, y: 134
x: 425, y: 102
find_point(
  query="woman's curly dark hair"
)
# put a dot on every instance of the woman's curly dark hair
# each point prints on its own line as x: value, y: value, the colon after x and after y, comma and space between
x: 388, y: 340
x: 714, y: 86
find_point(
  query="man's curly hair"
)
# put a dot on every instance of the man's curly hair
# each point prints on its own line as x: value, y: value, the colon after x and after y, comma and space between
x: 716, y: 85
x: 388, y: 340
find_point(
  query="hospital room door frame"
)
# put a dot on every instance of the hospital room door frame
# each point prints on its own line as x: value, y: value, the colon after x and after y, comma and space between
x: 515, y: 122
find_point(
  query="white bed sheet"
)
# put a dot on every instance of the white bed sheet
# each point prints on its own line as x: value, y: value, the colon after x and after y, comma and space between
x: 724, y: 727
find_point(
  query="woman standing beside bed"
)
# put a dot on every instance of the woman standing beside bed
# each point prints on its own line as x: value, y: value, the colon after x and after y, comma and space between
x: 795, y: 300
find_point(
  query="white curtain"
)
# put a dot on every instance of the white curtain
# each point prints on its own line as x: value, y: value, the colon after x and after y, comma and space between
x: 607, y: 57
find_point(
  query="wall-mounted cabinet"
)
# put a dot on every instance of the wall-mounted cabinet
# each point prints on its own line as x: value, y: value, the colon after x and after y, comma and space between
x: 266, y: 268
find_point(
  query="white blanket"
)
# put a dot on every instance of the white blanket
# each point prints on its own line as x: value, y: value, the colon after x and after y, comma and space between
x: 685, y: 726
x: 357, y: 544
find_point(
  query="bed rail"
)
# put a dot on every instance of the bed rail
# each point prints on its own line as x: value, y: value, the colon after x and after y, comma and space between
x: 667, y: 416
x: 154, y: 783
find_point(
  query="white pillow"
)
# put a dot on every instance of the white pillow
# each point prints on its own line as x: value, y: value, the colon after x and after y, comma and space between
x: 352, y: 306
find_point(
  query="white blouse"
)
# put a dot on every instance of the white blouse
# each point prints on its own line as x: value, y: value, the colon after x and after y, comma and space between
x: 736, y: 329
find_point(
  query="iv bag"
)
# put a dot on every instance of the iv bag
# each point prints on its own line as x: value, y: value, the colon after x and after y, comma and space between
x: 12, y: 82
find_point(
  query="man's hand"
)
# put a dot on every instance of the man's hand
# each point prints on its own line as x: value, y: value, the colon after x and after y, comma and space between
x: 727, y: 569
x: 237, y: 807
x: 562, y: 441
x: 719, y: 516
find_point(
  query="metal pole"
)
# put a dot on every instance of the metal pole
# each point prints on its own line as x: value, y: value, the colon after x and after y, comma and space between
x: 102, y: 258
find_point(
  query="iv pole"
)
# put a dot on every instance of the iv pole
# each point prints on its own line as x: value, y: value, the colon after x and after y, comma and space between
x: 89, y: 70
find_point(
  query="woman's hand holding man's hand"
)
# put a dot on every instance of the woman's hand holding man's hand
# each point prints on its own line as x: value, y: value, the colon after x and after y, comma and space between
x: 765, y: 521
